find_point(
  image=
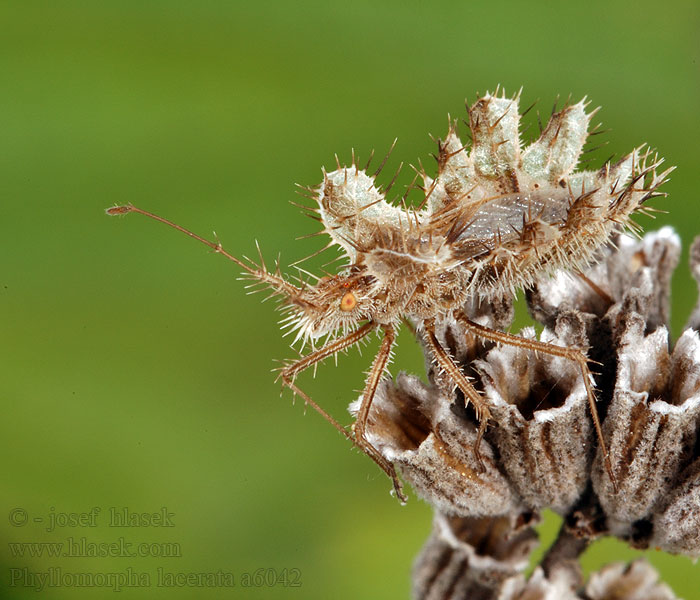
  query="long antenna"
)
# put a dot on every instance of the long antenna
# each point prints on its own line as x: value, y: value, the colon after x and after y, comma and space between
x: 260, y: 273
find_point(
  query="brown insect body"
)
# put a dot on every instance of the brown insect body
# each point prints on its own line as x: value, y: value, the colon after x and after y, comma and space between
x: 493, y: 220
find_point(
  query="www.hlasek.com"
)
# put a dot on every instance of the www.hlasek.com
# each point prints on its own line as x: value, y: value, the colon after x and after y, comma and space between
x: 81, y: 547
x: 56, y: 577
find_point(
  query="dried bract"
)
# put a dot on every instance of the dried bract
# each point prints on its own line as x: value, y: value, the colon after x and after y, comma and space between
x: 414, y: 428
x: 651, y: 425
x: 543, y: 434
x: 636, y: 581
x: 676, y: 525
x: 472, y: 557
x: 649, y: 392
x: 537, y: 587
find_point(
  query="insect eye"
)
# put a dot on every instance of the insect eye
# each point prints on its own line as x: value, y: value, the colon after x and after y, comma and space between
x: 348, y: 302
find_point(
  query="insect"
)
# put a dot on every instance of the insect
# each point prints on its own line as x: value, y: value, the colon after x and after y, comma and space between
x: 495, y: 218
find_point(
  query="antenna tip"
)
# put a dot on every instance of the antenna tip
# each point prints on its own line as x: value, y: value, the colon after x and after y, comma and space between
x: 118, y: 210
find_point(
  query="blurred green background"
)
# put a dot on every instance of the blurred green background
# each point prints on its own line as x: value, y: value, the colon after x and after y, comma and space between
x: 134, y: 371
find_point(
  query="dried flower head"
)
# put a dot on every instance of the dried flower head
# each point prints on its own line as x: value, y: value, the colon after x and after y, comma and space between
x: 542, y: 452
x: 636, y: 581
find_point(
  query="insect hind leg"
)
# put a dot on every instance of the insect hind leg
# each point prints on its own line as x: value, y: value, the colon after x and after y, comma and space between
x: 573, y: 354
x: 360, y: 426
x: 453, y: 371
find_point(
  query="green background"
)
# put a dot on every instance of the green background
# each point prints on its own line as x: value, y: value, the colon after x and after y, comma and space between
x: 134, y: 371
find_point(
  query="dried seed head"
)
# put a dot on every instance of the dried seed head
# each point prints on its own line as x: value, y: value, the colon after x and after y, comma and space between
x: 537, y: 587
x: 413, y: 426
x: 543, y: 433
x: 677, y: 522
x: 636, y: 581
x: 472, y: 557
x: 652, y: 422
x: 650, y: 396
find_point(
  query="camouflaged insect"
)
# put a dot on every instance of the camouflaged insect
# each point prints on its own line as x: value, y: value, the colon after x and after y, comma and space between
x: 495, y: 218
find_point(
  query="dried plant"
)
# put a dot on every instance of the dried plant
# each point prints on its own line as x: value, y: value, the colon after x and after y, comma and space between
x: 542, y: 452
x: 613, y: 453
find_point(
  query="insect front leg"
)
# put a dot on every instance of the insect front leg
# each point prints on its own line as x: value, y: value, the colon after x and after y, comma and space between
x: 360, y: 425
x: 289, y: 373
x: 483, y: 414
x: 573, y: 354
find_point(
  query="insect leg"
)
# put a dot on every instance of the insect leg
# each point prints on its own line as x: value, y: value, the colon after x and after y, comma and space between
x: 289, y: 373
x: 573, y: 354
x: 360, y: 425
x: 453, y: 371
